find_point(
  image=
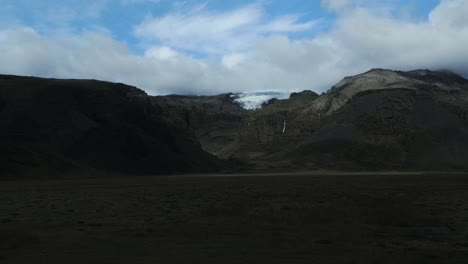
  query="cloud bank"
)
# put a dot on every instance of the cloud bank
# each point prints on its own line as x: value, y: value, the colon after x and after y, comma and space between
x: 207, y: 52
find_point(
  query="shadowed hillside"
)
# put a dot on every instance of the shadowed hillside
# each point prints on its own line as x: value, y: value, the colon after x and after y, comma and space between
x: 50, y: 127
x: 378, y: 120
x: 213, y: 119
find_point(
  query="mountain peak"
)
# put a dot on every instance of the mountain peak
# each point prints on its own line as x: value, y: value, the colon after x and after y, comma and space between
x: 381, y: 79
x: 305, y: 93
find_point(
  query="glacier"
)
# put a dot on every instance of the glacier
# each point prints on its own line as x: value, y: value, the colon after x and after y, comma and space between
x: 254, y: 100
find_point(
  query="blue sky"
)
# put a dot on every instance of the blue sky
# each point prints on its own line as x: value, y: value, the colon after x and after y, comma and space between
x: 120, y: 17
x: 205, y: 47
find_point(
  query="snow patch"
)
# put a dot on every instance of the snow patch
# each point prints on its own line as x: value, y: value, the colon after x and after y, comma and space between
x: 255, y: 100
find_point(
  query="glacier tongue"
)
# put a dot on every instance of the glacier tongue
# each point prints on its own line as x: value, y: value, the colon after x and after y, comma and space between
x: 254, y: 100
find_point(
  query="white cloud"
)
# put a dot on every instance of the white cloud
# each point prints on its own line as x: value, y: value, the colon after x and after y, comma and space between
x: 94, y: 55
x: 369, y: 40
x: 216, y: 33
x: 161, y: 53
x: 231, y: 60
x: 357, y: 41
x: 451, y: 13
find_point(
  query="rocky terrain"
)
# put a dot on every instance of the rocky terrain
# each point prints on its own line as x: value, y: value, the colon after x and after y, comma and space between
x: 213, y: 119
x: 249, y: 218
x: 52, y: 128
x: 378, y: 120
x: 286, y: 205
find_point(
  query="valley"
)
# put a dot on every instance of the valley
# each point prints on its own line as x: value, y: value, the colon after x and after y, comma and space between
x: 234, y: 132
x: 377, y: 120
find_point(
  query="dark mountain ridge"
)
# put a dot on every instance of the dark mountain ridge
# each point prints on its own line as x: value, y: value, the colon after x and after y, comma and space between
x: 213, y: 119
x: 53, y: 127
x: 378, y: 120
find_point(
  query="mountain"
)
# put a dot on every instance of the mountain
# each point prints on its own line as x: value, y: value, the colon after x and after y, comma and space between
x: 380, y: 119
x: 59, y: 127
x: 255, y: 100
x: 214, y: 120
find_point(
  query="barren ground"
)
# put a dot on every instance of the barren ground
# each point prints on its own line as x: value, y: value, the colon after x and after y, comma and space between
x: 243, y: 218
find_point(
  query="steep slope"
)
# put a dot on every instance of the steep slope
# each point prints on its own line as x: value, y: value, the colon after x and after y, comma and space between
x: 393, y: 129
x: 275, y: 128
x: 376, y: 79
x: 213, y: 119
x: 381, y: 79
x: 51, y: 127
x: 381, y: 119
x: 377, y: 120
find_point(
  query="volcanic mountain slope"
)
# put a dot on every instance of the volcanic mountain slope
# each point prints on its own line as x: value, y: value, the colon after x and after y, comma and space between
x: 275, y: 128
x: 381, y: 119
x: 213, y: 119
x: 377, y: 120
x: 55, y: 127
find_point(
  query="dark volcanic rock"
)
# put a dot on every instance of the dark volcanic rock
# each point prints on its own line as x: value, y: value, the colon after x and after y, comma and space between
x: 378, y: 120
x: 50, y: 126
x: 390, y: 129
x: 276, y: 128
x: 438, y: 78
x: 213, y: 119
x: 307, y: 94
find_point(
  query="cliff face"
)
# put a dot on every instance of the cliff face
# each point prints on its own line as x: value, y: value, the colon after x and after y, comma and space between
x: 54, y: 127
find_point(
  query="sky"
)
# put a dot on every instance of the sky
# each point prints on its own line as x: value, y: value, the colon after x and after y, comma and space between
x: 203, y: 47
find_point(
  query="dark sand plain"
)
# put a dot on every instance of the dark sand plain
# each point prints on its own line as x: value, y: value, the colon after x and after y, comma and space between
x: 296, y: 217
